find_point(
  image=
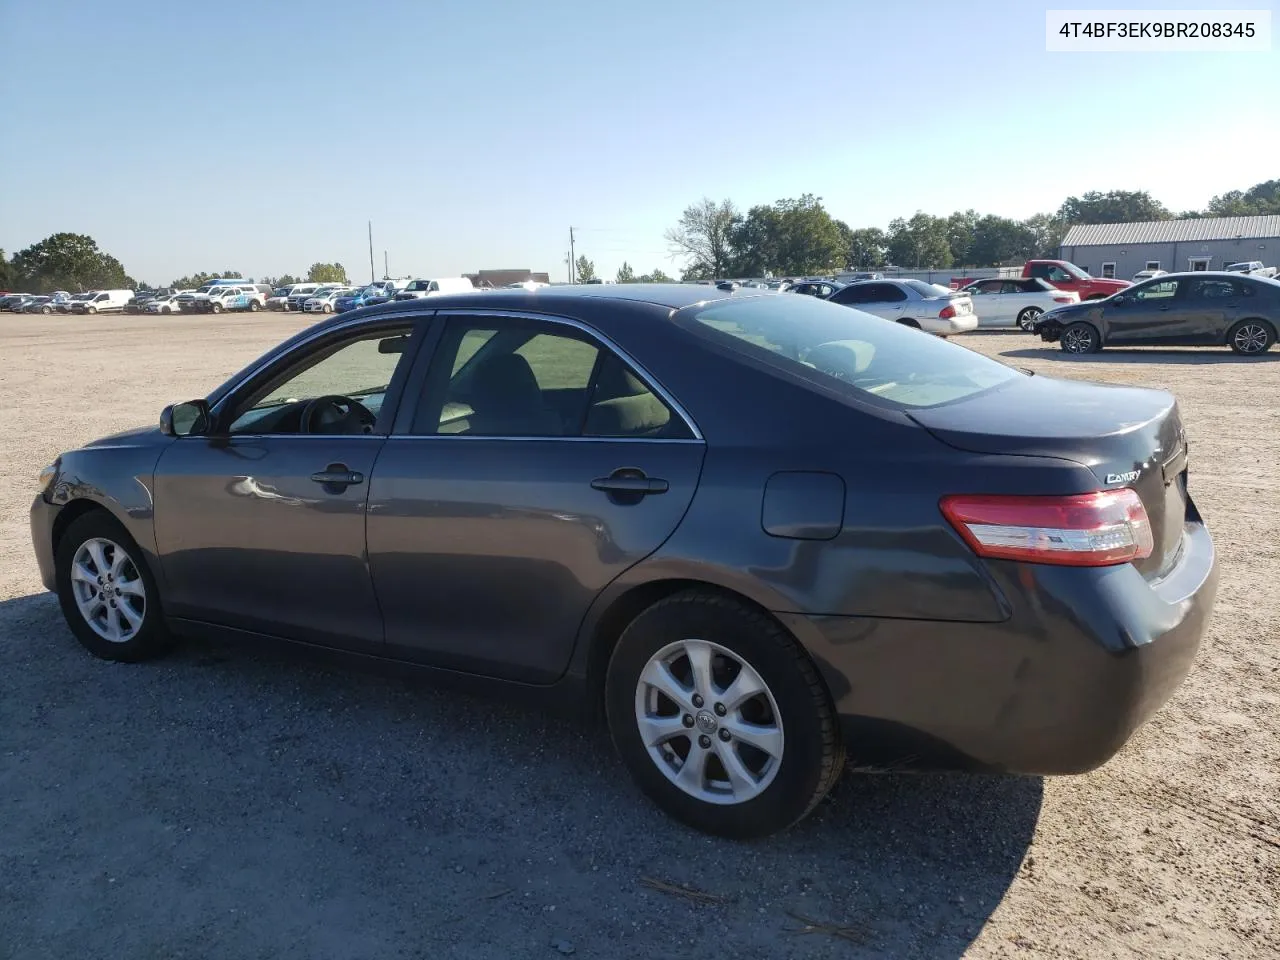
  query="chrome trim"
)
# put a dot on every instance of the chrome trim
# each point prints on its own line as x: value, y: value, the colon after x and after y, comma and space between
x: 471, y: 436
x: 591, y: 331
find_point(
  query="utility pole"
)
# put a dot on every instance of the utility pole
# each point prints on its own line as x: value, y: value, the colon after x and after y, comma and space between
x: 386, y: 270
x: 573, y: 266
x: 372, y: 272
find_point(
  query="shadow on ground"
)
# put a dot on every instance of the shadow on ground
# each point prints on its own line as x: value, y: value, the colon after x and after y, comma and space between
x: 1189, y: 356
x: 231, y: 802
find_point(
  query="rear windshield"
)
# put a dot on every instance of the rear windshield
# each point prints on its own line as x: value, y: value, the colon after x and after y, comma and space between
x: 848, y: 350
x: 928, y: 289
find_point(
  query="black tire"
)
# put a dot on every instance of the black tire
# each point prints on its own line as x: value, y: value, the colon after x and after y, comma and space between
x: 90, y: 309
x: 215, y: 308
x: 152, y: 639
x: 1080, y: 338
x: 1027, y: 318
x: 254, y: 306
x: 1251, y: 337
x: 908, y: 322
x: 812, y: 749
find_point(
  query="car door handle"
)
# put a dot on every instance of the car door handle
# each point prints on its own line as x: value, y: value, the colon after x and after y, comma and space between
x: 337, y: 475
x: 629, y: 485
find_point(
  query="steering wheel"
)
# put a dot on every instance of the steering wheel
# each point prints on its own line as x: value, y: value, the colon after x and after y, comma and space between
x: 333, y: 410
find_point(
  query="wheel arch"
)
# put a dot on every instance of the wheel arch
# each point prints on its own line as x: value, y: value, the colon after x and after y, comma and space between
x: 1275, y: 333
x: 613, y: 613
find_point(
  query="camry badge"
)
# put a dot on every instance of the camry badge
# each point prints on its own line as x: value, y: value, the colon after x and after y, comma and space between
x: 1122, y: 477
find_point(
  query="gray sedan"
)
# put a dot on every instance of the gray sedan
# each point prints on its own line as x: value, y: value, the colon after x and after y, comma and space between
x: 760, y: 533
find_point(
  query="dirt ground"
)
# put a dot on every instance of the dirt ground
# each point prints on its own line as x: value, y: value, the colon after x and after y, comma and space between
x: 228, y: 802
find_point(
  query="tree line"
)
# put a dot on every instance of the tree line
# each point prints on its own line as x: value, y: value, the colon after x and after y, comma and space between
x: 799, y: 236
x: 74, y: 262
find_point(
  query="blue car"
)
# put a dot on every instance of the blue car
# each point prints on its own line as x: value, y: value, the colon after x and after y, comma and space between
x: 367, y: 296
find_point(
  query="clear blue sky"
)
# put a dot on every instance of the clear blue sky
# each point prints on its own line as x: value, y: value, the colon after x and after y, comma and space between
x: 260, y: 136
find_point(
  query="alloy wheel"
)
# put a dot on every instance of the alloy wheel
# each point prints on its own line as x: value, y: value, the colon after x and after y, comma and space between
x: 109, y: 590
x: 1250, y: 338
x: 709, y: 722
x: 1077, y: 340
x: 1027, y: 319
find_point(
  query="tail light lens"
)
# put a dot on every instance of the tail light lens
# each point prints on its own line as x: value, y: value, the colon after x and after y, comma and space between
x: 947, y: 313
x: 1063, y: 300
x: 1083, y: 530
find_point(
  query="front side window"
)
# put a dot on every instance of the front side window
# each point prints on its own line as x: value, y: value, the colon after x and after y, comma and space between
x: 1160, y: 290
x: 355, y: 372
x: 532, y: 379
x: 848, y: 351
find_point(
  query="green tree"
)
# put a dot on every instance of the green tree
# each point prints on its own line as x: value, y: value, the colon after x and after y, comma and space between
x: 67, y: 261
x: 756, y: 241
x: 656, y: 277
x: 199, y: 279
x: 626, y: 274
x: 868, y: 248
x: 8, y: 276
x: 1047, y: 232
x: 697, y: 271
x: 1261, y: 199
x: 919, y: 242
x: 327, y: 273
x: 960, y: 235
x: 1115, y: 206
x: 998, y: 240
x: 584, y: 269
x: 703, y: 236
x: 789, y: 237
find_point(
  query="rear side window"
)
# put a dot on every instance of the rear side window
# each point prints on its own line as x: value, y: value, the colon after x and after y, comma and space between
x: 844, y: 350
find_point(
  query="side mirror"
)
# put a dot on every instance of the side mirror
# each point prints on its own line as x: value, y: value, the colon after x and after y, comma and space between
x: 185, y: 419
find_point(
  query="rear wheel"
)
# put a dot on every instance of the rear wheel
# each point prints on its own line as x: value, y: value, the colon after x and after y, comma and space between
x: 216, y: 308
x: 328, y: 308
x: 1250, y: 337
x: 90, y: 309
x: 107, y: 594
x: 1079, y: 338
x: 165, y: 310
x: 721, y: 717
x: 1028, y: 317
x: 46, y: 311
x: 254, y: 306
x: 908, y: 322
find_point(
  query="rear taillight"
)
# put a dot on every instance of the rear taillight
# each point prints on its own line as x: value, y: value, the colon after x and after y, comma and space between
x: 947, y: 313
x: 1083, y: 530
x: 1063, y: 300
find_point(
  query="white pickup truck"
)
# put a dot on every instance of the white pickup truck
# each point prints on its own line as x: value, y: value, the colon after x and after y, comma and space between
x: 1251, y: 267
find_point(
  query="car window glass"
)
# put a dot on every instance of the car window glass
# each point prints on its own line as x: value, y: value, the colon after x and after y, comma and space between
x: 623, y: 405
x: 518, y: 380
x: 1213, y: 289
x: 358, y: 369
x: 1162, y: 290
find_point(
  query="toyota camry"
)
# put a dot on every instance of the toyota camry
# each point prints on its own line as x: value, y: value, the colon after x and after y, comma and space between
x: 757, y: 533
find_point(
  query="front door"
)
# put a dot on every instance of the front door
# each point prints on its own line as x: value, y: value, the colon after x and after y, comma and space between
x: 260, y: 524
x: 535, y: 468
x: 1147, y: 313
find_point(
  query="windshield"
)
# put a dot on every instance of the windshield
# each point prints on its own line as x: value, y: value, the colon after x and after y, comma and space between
x: 1075, y: 271
x: 849, y: 351
x: 419, y: 285
x: 928, y: 289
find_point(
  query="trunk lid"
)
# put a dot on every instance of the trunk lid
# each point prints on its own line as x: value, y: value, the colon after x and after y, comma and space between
x: 1126, y: 436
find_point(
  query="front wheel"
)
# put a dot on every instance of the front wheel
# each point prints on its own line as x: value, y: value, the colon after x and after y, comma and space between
x: 46, y: 311
x: 90, y: 309
x: 107, y: 594
x: 328, y: 308
x: 721, y: 717
x: 1028, y: 317
x: 1251, y: 337
x: 216, y: 308
x: 254, y: 306
x: 1080, y: 338
x: 165, y: 310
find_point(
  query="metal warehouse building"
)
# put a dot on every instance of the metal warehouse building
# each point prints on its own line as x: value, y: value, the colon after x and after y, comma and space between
x: 1122, y: 249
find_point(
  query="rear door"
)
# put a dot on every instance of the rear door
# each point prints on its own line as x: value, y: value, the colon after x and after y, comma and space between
x: 1211, y: 306
x: 880, y: 299
x: 530, y: 466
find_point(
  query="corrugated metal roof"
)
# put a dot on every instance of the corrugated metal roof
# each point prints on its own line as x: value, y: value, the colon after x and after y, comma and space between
x: 1172, y: 231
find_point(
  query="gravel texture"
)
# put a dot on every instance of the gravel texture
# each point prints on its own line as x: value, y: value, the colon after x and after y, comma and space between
x: 230, y: 802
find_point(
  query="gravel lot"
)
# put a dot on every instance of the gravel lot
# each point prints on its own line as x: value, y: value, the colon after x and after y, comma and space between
x: 227, y: 802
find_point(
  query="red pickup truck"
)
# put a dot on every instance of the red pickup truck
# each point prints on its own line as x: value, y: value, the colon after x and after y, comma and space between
x: 1064, y: 276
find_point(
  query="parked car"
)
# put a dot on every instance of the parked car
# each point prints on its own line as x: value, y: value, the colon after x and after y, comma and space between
x: 300, y: 294
x: 1017, y: 302
x: 322, y: 301
x: 380, y: 290
x: 975, y: 582
x: 865, y: 275
x: 166, y: 305
x: 279, y: 299
x: 1067, y: 276
x: 527, y: 285
x: 103, y: 301
x: 67, y: 305
x: 41, y: 305
x: 1253, y: 267
x: 817, y: 288
x: 15, y: 301
x: 1201, y: 308
x: 233, y: 299
x: 434, y: 288
x: 913, y: 303
x: 142, y: 297
x: 1148, y: 274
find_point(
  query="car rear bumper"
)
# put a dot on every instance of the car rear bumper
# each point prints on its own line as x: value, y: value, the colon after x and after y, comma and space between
x: 950, y: 327
x: 1086, y: 658
x: 43, y: 513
